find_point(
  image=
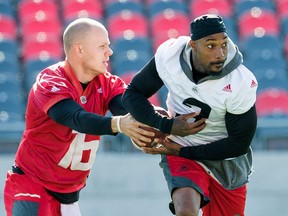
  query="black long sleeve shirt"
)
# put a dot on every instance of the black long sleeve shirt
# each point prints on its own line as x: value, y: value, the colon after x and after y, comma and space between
x: 67, y: 112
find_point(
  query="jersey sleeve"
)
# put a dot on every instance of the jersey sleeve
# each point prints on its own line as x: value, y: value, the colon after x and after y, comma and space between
x: 50, y: 89
x: 112, y: 85
x: 244, y: 92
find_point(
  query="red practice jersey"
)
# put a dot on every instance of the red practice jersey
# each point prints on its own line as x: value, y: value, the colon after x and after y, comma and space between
x: 53, y: 155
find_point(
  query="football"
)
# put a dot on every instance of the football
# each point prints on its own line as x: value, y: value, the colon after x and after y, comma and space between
x: 158, y: 134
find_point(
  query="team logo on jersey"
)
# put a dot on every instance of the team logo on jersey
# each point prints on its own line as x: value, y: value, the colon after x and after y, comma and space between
x: 227, y: 88
x: 100, y: 90
x: 194, y: 89
x: 83, y: 99
x: 253, y: 84
x: 55, y: 89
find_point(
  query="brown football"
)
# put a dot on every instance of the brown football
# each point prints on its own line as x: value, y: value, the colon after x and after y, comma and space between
x: 158, y: 134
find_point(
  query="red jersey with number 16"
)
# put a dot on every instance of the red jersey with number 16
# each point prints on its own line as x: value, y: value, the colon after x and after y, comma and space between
x: 53, y: 155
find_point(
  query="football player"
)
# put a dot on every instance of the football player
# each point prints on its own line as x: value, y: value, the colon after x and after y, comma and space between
x: 204, y: 74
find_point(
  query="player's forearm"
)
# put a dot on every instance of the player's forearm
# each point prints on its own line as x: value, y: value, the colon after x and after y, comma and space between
x: 69, y: 113
x: 135, y: 99
x: 241, y: 129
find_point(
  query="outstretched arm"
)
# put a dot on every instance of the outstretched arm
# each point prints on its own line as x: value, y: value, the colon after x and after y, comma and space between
x: 67, y: 112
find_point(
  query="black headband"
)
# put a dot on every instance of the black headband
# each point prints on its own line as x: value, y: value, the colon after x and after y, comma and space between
x: 205, y: 25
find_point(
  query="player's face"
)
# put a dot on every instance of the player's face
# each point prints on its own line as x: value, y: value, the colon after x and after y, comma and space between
x: 96, y: 52
x: 210, y: 53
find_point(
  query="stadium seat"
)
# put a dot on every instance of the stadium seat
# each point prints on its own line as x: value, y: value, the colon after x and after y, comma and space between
x: 157, y: 7
x: 286, y: 46
x: 231, y: 29
x: 32, y: 68
x: 264, y: 46
x: 272, y: 132
x: 10, y: 82
x: 135, y: 52
x: 260, y: 63
x: 74, y: 9
x: 39, y: 10
x: 138, y: 43
x: 168, y: 25
x: 284, y: 26
x: 7, y: 77
x: 220, y: 7
x: 129, y: 61
x: 12, y: 101
x: 241, y: 7
x: 258, y: 22
x: 273, y: 101
x: 118, y: 7
x: 128, y: 25
x: 275, y: 81
x: 9, y: 47
x: 12, y: 110
x: 9, y: 63
x: 49, y: 27
x: 45, y: 49
x: 8, y: 27
x: 282, y: 8
x: 6, y: 9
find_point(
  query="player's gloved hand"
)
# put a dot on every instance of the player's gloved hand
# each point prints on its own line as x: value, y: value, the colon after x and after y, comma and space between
x: 132, y: 128
x: 183, y: 126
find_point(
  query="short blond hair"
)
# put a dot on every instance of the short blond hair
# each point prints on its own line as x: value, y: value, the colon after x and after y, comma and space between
x: 77, y: 30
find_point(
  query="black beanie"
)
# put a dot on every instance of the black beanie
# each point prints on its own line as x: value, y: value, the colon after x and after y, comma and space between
x: 205, y: 25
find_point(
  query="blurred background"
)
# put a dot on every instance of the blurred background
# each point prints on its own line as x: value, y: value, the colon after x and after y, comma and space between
x: 31, y: 39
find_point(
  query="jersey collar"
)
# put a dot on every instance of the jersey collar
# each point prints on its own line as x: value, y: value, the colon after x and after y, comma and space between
x: 234, y: 59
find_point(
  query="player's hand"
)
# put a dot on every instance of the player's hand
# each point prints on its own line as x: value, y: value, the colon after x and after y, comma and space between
x: 131, y: 128
x: 167, y: 147
x: 182, y: 125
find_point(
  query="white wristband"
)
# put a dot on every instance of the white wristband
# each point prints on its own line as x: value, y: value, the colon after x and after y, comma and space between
x: 118, y: 118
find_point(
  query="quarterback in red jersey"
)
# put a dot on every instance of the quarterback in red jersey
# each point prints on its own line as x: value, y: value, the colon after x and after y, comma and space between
x: 65, y: 118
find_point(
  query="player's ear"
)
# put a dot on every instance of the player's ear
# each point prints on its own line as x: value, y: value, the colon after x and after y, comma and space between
x: 78, y: 50
x: 192, y: 44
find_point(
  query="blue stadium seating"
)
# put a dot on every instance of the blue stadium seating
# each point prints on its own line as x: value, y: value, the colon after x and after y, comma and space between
x: 117, y: 7
x: 6, y: 9
x: 32, y: 68
x: 11, y: 117
x: 284, y: 26
x: 9, y: 63
x: 129, y: 61
x: 131, y: 55
x: 159, y: 6
x: 243, y: 6
x: 136, y: 43
x: 9, y: 47
x: 262, y: 63
x: 272, y: 133
x: 265, y: 46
